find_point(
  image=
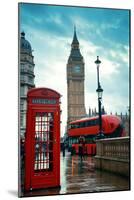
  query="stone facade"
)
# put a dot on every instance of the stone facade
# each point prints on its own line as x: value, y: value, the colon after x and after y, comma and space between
x: 75, y: 82
x: 26, y: 77
x: 113, y: 155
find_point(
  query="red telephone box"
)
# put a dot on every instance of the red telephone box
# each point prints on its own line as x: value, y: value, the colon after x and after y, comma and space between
x: 42, y: 144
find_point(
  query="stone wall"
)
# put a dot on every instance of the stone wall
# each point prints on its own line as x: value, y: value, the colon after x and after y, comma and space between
x: 113, y: 155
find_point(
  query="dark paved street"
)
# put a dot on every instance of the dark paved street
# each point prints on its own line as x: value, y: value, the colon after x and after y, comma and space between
x: 80, y: 176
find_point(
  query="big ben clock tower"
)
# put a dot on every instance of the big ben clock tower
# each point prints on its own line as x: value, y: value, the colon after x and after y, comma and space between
x: 75, y: 82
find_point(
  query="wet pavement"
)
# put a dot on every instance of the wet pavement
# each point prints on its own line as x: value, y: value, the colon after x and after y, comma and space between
x: 80, y: 176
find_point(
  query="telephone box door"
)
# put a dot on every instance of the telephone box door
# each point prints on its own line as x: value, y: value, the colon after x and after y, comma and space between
x: 43, y: 148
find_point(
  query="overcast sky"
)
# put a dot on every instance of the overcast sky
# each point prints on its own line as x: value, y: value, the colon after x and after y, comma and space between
x: 101, y: 32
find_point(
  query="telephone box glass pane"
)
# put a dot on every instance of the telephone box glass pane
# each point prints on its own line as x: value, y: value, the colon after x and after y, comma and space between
x: 44, y: 122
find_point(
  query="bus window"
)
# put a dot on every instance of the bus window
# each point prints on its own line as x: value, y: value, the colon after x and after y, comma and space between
x: 73, y: 126
x: 88, y: 123
x: 74, y: 140
x: 90, y: 139
x: 92, y: 122
x: 82, y: 124
x: 97, y: 122
x: 77, y: 125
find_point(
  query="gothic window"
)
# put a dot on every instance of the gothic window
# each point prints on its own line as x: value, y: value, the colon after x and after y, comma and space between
x: 22, y: 91
x: 23, y: 78
x: 25, y: 105
x: 30, y: 79
x: 21, y: 120
x: 30, y: 68
x: 22, y: 66
x: 21, y: 106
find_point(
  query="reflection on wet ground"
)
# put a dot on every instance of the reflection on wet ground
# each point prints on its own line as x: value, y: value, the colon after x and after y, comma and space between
x: 80, y: 176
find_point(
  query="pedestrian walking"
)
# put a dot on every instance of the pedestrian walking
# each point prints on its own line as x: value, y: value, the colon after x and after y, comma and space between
x: 81, y: 147
x: 22, y: 151
x: 63, y: 149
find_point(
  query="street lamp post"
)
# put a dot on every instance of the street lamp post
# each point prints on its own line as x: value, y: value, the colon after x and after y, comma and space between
x: 99, y: 91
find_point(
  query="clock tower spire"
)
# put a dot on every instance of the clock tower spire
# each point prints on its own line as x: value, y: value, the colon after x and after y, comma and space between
x: 75, y: 40
x: 75, y: 82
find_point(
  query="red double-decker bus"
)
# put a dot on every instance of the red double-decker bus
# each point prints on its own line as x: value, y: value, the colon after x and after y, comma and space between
x: 88, y: 128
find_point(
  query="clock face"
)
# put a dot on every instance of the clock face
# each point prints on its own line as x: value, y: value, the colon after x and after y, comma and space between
x: 76, y: 69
